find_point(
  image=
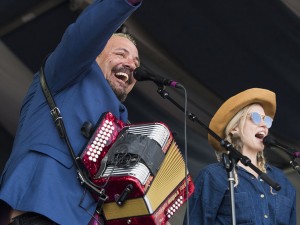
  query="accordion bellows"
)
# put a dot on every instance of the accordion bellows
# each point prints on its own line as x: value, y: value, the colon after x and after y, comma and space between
x: 141, y: 169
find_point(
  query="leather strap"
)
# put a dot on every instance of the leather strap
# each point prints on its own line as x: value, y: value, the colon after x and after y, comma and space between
x: 82, y: 172
x: 54, y: 110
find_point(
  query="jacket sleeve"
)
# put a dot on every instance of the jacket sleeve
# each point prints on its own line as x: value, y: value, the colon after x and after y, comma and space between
x: 84, y: 40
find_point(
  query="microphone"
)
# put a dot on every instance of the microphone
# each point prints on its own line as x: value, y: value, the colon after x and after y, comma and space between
x: 269, y: 141
x: 141, y: 74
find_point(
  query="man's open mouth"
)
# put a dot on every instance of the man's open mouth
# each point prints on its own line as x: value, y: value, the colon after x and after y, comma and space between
x: 122, y: 76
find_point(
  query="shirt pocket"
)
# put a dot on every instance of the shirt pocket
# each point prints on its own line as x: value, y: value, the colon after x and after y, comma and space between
x: 283, y: 209
x: 243, y: 209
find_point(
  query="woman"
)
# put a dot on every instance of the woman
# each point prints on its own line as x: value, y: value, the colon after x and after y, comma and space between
x: 243, y: 120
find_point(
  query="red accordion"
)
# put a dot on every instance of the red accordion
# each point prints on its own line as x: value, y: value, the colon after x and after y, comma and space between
x: 141, y: 169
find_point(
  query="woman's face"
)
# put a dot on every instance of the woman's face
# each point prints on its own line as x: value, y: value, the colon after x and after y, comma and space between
x: 252, y: 134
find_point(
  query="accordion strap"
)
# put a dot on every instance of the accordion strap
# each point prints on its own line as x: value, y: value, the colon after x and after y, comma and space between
x: 58, y: 121
x: 54, y: 110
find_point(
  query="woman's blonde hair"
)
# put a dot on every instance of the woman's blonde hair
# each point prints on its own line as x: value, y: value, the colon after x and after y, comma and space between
x: 239, y: 120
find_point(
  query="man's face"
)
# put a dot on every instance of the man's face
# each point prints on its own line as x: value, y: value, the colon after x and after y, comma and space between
x: 117, y: 62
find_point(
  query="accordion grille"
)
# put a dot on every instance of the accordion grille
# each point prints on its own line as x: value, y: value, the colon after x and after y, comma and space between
x: 171, y: 173
x: 157, y: 131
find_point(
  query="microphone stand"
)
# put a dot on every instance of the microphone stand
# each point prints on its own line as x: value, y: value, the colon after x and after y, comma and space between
x: 231, y: 160
x: 295, y: 165
x: 293, y: 161
x: 230, y: 166
x: 293, y: 156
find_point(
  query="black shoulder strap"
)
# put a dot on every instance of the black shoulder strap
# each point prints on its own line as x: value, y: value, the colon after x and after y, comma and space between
x: 57, y: 118
x: 54, y: 110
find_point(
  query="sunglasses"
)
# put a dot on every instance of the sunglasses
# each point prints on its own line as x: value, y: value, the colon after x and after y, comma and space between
x: 257, y: 119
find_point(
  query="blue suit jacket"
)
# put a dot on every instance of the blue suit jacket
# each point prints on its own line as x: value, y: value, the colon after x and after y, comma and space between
x: 40, y: 175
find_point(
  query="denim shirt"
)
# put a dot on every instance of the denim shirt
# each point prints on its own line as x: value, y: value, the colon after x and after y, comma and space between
x: 255, y: 201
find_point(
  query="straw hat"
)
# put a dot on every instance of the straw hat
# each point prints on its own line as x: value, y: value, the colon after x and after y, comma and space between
x: 264, y: 97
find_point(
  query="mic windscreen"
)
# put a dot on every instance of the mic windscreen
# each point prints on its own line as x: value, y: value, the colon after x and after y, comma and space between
x: 268, y: 141
x: 140, y: 74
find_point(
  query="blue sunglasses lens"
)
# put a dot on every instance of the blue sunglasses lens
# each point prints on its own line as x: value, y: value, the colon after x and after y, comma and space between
x: 256, y: 118
x: 268, y: 121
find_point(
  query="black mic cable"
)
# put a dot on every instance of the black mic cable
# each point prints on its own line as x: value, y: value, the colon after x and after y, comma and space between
x: 141, y: 74
x: 186, y: 156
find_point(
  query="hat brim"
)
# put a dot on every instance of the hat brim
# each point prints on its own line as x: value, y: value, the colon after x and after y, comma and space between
x: 264, y: 97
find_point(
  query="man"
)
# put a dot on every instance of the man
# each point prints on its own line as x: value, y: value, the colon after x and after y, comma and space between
x: 89, y: 73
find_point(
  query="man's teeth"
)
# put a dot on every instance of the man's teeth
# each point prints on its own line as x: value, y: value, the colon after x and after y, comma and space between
x: 122, y: 76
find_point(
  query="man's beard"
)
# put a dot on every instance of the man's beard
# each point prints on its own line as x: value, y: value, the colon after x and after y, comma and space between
x: 121, y: 94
